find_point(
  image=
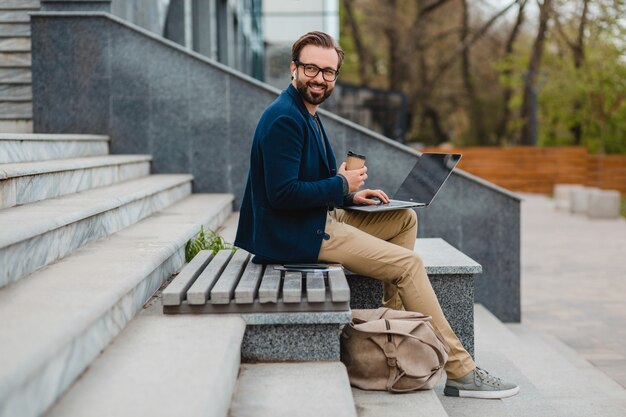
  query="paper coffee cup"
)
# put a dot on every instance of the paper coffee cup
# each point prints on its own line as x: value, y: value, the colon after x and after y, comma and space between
x: 354, y: 161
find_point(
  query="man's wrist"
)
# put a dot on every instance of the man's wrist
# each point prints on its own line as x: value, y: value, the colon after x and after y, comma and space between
x: 349, y: 199
x: 346, y: 186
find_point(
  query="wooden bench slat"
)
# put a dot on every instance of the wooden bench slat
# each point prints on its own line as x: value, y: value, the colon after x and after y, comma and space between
x: 339, y: 289
x: 292, y: 287
x: 174, y: 293
x: 258, y: 308
x: 270, y: 285
x: 315, y: 287
x: 249, y: 283
x: 224, y: 288
x: 199, y: 291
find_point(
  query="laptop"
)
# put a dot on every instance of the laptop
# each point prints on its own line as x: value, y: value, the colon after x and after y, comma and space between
x: 421, y: 185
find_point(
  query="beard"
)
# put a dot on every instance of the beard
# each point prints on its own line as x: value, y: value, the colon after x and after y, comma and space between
x: 311, y: 97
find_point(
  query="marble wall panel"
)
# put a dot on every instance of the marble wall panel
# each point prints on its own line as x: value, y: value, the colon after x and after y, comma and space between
x: 130, y: 65
x: 246, y: 107
x: 72, y: 56
x: 52, y: 63
x: 169, y: 137
x: 170, y: 79
x: 209, y: 129
x: 129, y: 125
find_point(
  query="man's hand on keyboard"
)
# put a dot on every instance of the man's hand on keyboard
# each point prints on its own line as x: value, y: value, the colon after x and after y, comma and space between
x: 370, y: 197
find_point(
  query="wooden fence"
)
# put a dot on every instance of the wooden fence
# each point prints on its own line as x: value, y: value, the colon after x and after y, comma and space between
x: 537, y: 170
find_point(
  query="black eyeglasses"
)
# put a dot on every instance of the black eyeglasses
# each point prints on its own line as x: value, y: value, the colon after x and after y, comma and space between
x: 311, y: 70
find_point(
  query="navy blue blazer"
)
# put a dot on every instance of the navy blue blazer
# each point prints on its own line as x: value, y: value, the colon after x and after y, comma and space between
x: 291, y: 185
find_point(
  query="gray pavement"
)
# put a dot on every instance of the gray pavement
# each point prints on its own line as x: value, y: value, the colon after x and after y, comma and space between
x: 574, y: 282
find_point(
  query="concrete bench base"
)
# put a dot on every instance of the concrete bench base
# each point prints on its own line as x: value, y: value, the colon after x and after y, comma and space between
x: 451, y: 274
x: 579, y: 199
x: 604, y: 204
x: 312, y: 336
x: 562, y: 195
x: 291, y: 342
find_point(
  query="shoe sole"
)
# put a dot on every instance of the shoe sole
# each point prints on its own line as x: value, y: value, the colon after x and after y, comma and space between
x: 488, y: 395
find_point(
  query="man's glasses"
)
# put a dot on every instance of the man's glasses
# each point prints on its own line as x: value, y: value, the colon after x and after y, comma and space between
x: 311, y: 71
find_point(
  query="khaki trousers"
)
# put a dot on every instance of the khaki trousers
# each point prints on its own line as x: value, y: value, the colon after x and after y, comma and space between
x: 380, y: 245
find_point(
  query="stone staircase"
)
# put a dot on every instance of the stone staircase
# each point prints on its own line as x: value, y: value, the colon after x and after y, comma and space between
x: 86, y: 239
x: 15, y: 65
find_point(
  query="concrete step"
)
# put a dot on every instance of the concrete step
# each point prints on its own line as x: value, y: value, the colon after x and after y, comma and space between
x: 529, y: 402
x: 20, y: 4
x: 37, y: 234
x: 566, y: 383
x: 15, y: 59
x: 39, y: 147
x: 16, y: 110
x: 14, y: 29
x: 381, y: 403
x: 22, y: 92
x: 15, y: 15
x: 27, y: 182
x: 602, y: 394
x: 228, y: 230
x: 15, y: 44
x: 55, y: 322
x: 172, y: 365
x: 308, y: 389
x: 15, y: 76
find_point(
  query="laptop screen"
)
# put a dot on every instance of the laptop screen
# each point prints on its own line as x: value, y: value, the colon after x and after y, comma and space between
x: 427, y: 176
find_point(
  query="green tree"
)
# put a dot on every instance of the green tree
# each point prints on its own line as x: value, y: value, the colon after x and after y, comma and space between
x: 465, y: 67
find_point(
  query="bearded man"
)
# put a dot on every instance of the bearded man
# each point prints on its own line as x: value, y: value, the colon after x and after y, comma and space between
x: 291, y: 209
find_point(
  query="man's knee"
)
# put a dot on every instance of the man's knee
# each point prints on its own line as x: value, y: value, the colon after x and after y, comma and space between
x: 417, y: 261
x: 411, y: 265
x: 410, y: 217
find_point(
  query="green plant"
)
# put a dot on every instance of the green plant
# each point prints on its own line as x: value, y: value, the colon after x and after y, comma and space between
x: 623, y: 210
x: 206, y: 241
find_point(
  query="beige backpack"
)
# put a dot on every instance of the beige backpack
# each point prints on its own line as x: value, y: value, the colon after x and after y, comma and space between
x: 392, y: 350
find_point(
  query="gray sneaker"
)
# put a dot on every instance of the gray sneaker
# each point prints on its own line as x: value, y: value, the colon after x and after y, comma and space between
x: 479, y: 384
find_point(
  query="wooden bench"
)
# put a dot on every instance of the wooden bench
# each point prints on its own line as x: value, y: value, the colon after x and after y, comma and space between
x: 289, y: 315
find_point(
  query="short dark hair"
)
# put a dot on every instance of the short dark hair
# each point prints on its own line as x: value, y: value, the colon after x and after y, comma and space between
x: 318, y: 39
